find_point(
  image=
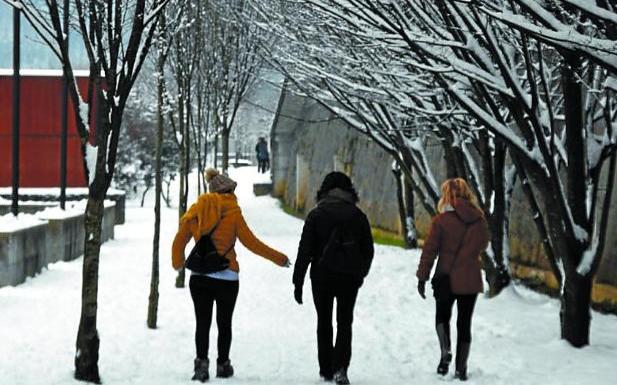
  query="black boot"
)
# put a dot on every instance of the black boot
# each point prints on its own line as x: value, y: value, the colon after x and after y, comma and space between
x: 444, y: 344
x: 201, y: 370
x: 224, y: 370
x: 340, y: 377
x: 462, y: 354
x: 326, y: 376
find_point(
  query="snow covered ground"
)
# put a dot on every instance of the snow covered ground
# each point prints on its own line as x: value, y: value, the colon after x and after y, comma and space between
x: 516, y: 336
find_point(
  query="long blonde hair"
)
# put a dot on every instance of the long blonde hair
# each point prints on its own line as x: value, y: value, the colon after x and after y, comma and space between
x: 453, y: 189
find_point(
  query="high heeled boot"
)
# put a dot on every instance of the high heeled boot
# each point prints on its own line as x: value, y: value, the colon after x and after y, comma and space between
x: 443, y: 336
x: 462, y: 354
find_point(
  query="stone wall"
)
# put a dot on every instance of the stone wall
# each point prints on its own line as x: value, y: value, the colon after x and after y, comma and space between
x: 23, y: 253
x: 308, y: 142
x: 26, y: 251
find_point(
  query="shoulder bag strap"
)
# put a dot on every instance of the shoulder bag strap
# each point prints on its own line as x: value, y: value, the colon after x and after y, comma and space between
x: 212, y: 232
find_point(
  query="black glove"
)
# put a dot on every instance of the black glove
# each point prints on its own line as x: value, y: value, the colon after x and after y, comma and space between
x: 422, y: 289
x: 298, y: 294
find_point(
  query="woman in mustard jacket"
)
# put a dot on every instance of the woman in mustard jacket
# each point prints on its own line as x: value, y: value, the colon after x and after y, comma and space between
x: 217, y: 212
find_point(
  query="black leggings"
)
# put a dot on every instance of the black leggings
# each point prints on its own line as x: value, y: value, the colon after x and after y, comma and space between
x: 465, y: 305
x: 337, y: 356
x: 205, y: 291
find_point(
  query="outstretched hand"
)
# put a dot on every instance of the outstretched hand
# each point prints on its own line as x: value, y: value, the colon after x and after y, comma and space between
x: 422, y: 289
x: 287, y: 263
x: 298, y: 294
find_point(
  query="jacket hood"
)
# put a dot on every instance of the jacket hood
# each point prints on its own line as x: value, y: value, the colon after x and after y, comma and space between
x: 338, y: 194
x: 209, y: 209
x: 467, y: 212
x: 338, y: 204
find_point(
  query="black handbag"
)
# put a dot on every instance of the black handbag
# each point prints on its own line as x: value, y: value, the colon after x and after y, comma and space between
x: 204, y: 258
x: 441, y: 286
x: 442, y: 291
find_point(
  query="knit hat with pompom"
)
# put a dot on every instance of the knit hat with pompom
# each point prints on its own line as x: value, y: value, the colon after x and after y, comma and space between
x: 219, y: 183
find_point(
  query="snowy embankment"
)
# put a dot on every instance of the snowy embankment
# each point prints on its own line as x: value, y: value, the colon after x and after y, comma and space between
x: 516, y: 336
x: 10, y: 223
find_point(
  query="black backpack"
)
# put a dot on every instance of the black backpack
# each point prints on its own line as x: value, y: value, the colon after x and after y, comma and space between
x: 204, y: 258
x: 343, y: 255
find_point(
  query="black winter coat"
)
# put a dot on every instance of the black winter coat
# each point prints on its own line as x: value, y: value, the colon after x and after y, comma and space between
x: 337, y: 208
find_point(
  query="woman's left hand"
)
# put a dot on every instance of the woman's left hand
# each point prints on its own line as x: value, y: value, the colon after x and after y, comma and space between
x: 422, y: 289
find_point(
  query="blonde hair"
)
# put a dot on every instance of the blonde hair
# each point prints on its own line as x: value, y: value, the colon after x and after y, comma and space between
x: 453, y: 189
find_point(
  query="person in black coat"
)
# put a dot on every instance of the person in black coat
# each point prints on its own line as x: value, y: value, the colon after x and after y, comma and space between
x: 337, y: 243
x: 263, y: 156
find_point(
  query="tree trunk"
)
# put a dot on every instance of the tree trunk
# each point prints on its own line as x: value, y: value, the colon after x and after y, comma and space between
x: 576, y: 293
x: 411, y: 235
x: 498, y: 276
x: 225, y: 150
x: 216, y: 151
x: 490, y: 272
x: 575, y: 308
x: 401, y: 202
x: 166, y: 197
x: 153, y: 298
x: 182, y: 206
x: 143, y: 196
x: 87, y: 344
x: 184, y: 183
x: 205, y: 164
x: 87, y: 355
x: 200, y: 168
x: 181, y: 194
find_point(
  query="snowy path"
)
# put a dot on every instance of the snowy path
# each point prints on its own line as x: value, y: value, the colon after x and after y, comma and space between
x: 516, y: 336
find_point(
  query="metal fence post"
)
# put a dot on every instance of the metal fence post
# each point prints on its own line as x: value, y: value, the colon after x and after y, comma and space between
x: 64, y: 115
x: 16, y: 109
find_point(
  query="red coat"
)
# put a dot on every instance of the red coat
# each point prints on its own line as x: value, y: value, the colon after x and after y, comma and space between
x: 446, y: 237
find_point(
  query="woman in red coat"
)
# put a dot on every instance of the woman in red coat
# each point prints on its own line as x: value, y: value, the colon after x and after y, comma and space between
x: 457, y: 237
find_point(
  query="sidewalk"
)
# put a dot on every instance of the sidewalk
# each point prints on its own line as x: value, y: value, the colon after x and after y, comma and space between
x: 516, y: 336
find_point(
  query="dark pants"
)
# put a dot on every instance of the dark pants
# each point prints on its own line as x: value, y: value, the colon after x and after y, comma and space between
x: 263, y: 165
x: 205, y: 291
x: 465, y: 305
x: 337, y: 356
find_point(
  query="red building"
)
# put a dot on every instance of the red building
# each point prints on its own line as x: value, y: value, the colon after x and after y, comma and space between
x: 40, y: 129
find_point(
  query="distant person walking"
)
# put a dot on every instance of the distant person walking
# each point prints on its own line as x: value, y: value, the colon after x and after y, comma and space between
x: 218, y: 216
x: 263, y: 156
x: 458, y: 235
x: 337, y: 243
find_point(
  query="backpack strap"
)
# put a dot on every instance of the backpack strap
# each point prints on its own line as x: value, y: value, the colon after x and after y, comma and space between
x: 338, y: 227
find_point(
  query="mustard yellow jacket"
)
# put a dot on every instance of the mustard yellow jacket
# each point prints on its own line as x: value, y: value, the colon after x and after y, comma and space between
x: 222, y: 211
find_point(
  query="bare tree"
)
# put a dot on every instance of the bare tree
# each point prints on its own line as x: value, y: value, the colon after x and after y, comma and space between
x: 163, y: 44
x: 185, y: 53
x: 344, y: 69
x: 117, y: 36
x: 543, y: 96
x: 232, y: 63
